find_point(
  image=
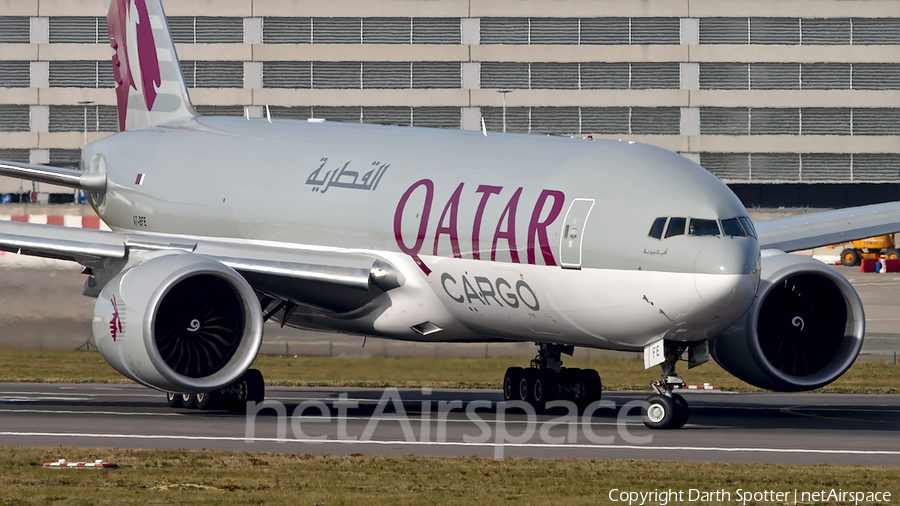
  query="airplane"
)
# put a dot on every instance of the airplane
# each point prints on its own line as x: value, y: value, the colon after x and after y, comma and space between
x: 222, y: 223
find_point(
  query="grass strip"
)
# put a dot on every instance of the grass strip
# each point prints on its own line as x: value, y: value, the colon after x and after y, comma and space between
x: 208, y: 477
x: 380, y: 372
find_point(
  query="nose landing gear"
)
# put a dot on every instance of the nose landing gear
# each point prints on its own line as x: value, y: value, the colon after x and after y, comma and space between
x: 666, y: 409
x: 547, y: 380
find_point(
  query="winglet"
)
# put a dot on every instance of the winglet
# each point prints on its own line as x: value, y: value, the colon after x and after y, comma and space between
x: 150, y: 87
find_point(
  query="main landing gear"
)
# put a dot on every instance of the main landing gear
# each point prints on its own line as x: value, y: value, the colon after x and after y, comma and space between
x: 547, y: 380
x: 249, y: 387
x: 666, y: 409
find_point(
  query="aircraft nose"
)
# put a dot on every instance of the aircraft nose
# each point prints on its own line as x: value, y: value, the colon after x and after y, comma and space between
x: 726, y: 274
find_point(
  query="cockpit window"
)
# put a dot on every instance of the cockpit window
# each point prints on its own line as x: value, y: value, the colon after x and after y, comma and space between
x: 748, y: 226
x: 733, y: 227
x: 676, y: 227
x: 704, y: 227
x: 656, y: 229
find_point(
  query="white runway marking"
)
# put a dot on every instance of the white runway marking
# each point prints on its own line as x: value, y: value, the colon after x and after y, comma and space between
x: 412, y: 419
x: 454, y: 443
x: 72, y: 412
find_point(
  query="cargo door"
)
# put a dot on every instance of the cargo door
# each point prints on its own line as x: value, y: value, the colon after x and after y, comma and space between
x: 573, y: 233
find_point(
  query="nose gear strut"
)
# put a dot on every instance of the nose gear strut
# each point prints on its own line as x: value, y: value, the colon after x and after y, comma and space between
x: 666, y: 409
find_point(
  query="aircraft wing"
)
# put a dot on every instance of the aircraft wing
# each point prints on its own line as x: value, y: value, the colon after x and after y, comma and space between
x: 257, y: 262
x: 813, y: 230
x: 55, y: 175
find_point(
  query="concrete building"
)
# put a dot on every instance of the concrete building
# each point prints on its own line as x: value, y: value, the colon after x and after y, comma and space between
x: 795, y: 92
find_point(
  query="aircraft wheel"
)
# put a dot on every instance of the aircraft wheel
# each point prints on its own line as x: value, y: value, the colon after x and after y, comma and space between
x: 659, y: 412
x: 593, y: 387
x: 189, y: 401
x: 682, y: 411
x: 545, y: 389
x: 174, y: 400
x: 571, y: 385
x: 526, y: 386
x: 511, y: 381
x: 209, y: 400
x: 256, y: 387
x: 849, y: 257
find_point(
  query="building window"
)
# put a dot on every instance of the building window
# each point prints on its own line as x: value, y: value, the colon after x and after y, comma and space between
x: 793, y: 76
x: 15, y: 74
x: 585, y: 120
x: 876, y: 167
x: 876, y: 121
x: 15, y: 30
x: 825, y: 121
x: 287, y: 74
x: 725, y: 121
x: 68, y: 158
x: 825, y: 76
x: 783, y: 31
x: 875, y: 76
x: 78, y: 30
x: 825, y: 31
x: 337, y: 31
x: 15, y: 118
x: 806, y: 31
x: 365, y: 75
x: 213, y: 74
x: 878, y: 31
x: 805, y: 121
x: 81, y: 74
x: 15, y: 155
x: 803, y: 166
x: 361, y: 30
x: 573, y: 76
x: 724, y: 76
x: 287, y: 31
x: 774, y: 76
x: 220, y: 110
x: 765, y: 121
x: 75, y: 118
x: 585, y: 31
x: 432, y: 117
x: 206, y: 30
x: 434, y: 30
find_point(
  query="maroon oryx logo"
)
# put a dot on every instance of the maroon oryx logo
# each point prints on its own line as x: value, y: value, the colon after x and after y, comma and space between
x: 115, y: 325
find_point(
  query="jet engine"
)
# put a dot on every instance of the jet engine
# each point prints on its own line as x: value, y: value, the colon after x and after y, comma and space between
x: 803, y: 330
x: 178, y: 322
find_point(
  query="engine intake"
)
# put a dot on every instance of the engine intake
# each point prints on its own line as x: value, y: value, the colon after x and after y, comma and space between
x: 178, y: 322
x: 804, y: 329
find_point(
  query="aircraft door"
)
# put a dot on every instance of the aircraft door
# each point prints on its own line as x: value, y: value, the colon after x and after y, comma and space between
x: 572, y: 233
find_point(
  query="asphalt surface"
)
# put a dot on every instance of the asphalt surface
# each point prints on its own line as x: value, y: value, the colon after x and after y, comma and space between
x: 778, y: 428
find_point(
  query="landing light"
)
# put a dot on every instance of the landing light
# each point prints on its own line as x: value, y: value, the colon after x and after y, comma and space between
x: 378, y: 273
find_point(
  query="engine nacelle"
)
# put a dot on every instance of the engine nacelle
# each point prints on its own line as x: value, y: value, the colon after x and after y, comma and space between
x: 178, y: 322
x: 803, y: 330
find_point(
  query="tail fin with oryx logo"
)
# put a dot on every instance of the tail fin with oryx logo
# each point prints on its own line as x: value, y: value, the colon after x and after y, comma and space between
x: 150, y: 87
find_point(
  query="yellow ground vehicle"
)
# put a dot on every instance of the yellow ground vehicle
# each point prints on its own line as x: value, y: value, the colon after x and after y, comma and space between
x: 881, y: 246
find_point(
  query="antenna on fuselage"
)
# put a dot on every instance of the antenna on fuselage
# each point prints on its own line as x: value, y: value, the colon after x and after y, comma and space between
x: 268, y: 114
x: 483, y: 128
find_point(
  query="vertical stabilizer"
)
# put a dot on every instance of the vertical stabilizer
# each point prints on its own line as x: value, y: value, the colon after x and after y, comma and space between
x: 150, y: 87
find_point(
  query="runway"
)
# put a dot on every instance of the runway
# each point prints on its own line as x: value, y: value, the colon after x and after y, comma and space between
x: 724, y: 427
